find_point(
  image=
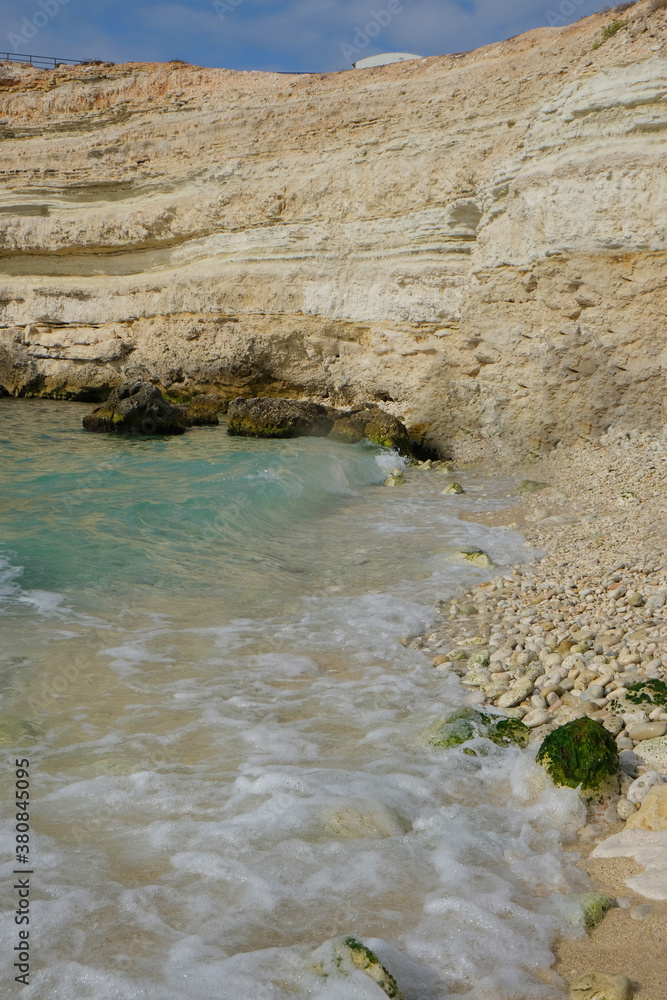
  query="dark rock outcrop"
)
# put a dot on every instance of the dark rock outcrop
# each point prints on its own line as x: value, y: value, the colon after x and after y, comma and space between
x: 283, y: 418
x: 202, y: 411
x: 278, y: 418
x: 136, y: 408
x: 374, y: 424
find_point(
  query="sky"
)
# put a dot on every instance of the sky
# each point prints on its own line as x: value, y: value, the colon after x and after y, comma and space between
x: 287, y: 35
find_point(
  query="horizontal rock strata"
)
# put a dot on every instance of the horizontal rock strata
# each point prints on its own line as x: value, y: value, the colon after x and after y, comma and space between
x: 477, y: 241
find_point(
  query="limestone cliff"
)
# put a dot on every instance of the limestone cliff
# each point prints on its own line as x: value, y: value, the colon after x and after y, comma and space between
x: 478, y: 240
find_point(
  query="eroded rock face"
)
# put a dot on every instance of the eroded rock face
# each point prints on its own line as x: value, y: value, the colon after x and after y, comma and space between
x: 476, y: 241
x: 136, y: 408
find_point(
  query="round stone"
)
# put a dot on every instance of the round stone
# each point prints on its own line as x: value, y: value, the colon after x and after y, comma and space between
x: 614, y: 724
x: 647, y: 731
x: 538, y: 717
x: 601, y: 986
x: 625, y: 808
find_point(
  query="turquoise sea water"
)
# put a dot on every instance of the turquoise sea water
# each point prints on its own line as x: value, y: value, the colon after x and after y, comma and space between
x: 200, y: 657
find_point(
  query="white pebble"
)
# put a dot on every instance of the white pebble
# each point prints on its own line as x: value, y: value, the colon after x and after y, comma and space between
x: 538, y: 717
x: 639, y: 788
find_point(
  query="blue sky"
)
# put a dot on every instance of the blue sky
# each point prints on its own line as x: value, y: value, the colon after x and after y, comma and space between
x: 316, y: 35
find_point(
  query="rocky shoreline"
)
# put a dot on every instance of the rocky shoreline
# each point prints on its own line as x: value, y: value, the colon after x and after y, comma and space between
x: 582, y: 632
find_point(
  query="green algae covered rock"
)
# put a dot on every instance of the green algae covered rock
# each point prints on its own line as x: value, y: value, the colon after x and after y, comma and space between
x: 595, y: 905
x: 509, y: 731
x: 351, y: 949
x: 389, y: 432
x: 469, y: 723
x: 650, y: 694
x: 462, y: 725
x: 477, y: 557
x: 372, y: 423
x: 278, y: 418
x: 581, y: 752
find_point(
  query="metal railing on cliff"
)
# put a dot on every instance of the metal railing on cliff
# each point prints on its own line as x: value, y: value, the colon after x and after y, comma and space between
x: 52, y: 62
x: 42, y: 62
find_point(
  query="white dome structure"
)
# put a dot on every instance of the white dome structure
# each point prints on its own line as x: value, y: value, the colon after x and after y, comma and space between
x: 385, y: 59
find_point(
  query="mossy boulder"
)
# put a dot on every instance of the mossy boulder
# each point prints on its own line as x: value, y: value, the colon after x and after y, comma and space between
x: 507, y: 732
x: 459, y: 727
x: 582, y: 753
x: 136, y: 408
x: 348, y: 429
x: 595, y: 905
x: 469, y: 723
x: 372, y: 423
x: 278, y: 418
x: 389, y: 432
x: 361, y: 957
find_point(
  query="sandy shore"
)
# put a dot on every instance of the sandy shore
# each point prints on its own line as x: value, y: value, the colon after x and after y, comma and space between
x: 589, y: 617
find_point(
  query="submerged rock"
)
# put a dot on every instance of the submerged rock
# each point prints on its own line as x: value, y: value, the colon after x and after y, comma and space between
x: 16, y: 732
x: 361, y: 957
x: 395, y: 478
x: 477, y: 557
x: 505, y: 732
x: 459, y: 727
x: 530, y: 486
x: 278, y: 418
x: 582, y: 752
x: 354, y: 819
x: 136, y: 408
x: 453, y: 488
x: 468, y: 724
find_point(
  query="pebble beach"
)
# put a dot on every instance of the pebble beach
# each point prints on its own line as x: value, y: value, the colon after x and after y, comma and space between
x: 576, y: 633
